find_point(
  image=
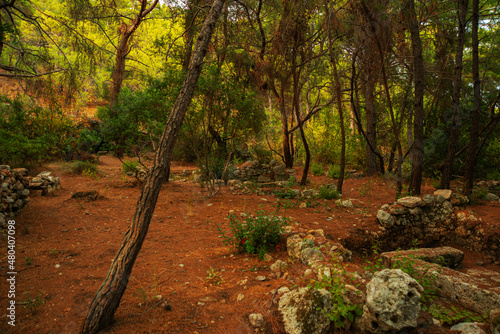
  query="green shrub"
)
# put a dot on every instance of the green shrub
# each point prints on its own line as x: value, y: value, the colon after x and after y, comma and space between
x: 334, y: 171
x: 84, y: 167
x: 328, y: 192
x: 317, y: 168
x: 285, y: 193
x: 256, y: 234
x: 30, y: 134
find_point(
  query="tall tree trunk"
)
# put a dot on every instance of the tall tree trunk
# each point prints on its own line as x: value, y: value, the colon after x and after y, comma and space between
x: 287, y: 152
x: 371, y: 125
x: 338, y: 93
x: 107, y: 299
x: 123, y: 48
x: 472, y: 153
x: 296, y: 107
x: 418, y: 107
x: 454, y: 127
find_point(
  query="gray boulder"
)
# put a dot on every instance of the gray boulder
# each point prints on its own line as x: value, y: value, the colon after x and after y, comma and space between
x: 392, y: 302
x: 385, y: 219
x: 304, y: 311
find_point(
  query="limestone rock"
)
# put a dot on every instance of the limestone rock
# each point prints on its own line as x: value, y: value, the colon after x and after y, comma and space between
x: 445, y: 256
x: 295, y: 244
x: 492, y: 197
x: 495, y: 321
x: 392, y: 302
x: 304, y: 311
x: 309, y: 256
x: 277, y: 267
x: 256, y: 319
x: 385, y: 219
x: 446, y: 193
x: 468, y: 328
x: 411, y: 202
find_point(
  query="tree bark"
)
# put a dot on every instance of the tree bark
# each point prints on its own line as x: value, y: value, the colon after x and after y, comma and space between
x: 123, y: 49
x: 107, y: 299
x: 472, y: 153
x: 454, y: 127
x: 418, y: 107
x: 371, y: 124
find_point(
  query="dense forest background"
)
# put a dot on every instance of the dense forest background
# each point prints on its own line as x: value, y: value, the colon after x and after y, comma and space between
x: 405, y: 88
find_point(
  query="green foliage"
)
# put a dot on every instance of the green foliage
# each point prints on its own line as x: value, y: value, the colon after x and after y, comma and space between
x: 333, y: 171
x: 317, y: 168
x: 87, y: 168
x: 31, y: 134
x: 451, y: 315
x: 214, y: 277
x: 29, y: 261
x: 285, y: 193
x: 342, y: 308
x: 256, y: 234
x: 32, y: 303
x: 327, y: 192
x: 130, y: 166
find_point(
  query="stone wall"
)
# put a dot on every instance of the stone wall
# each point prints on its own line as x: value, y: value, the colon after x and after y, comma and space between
x: 263, y: 173
x: 14, y: 192
x: 433, y: 220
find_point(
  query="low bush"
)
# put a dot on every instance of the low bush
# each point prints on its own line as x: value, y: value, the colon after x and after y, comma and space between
x: 255, y: 234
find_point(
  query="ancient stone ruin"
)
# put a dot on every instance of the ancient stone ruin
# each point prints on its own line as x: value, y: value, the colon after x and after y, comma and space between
x: 16, y: 186
x: 14, y: 192
x: 433, y: 220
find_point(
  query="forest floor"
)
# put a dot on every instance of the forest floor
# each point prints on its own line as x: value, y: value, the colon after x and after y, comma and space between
x: 65, y: 246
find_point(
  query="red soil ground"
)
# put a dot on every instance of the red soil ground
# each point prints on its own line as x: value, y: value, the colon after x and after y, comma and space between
x: 65, y: 246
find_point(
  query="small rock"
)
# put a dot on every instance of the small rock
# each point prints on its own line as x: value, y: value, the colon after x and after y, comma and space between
x: 256, y: 319
x: 261, y: 278
x: 240, y: 297
x: 492, y: 197
x: 385, y: 219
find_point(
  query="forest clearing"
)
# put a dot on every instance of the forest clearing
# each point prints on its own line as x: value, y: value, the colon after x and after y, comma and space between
x: 249, y: 166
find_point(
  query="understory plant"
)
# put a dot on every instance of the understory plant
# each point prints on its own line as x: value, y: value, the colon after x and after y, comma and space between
x: 342, y: 308
x: 254, y: 234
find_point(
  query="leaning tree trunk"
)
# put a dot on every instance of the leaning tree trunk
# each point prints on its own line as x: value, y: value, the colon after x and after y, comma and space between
x: 108, y: 297
x: 452, y: 145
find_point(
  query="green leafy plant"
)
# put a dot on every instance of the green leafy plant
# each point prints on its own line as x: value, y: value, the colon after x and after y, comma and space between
x: 29, y: 261
x: 32, y: 303
x: 333, y: 171
x: 285, y: 193
x: 452, y: 315
x: 317, y: 169
x: 342, y: 308
x: 214, y: 277
x: 327, y: 192
x: 86, y: 168
x: 255, y: 234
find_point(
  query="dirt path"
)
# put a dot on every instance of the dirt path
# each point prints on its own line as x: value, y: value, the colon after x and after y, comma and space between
x: 65, y: 247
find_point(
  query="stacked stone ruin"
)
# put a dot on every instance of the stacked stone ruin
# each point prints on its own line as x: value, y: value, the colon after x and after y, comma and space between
x: 14, y: 192
x: 433, y: 220
x: 262, y: 173
x: 15, y: 187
